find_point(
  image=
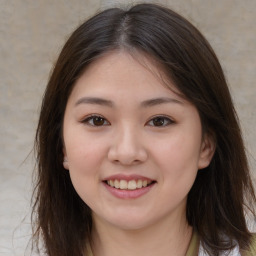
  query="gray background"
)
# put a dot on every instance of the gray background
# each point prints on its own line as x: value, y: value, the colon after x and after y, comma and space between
x: 32, y: 34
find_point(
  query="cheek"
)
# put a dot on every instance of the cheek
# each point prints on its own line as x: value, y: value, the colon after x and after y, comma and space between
x: 178, y: 152
x: 85, y: 156
x: 179, y: 170
x: 85, y: 160
x: 178, y: 159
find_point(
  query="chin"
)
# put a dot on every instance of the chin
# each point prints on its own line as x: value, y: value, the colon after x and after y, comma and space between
x: 130, y: 225
x: 132, y: 221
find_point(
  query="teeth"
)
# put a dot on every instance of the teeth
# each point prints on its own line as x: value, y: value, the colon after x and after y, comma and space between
x: 116, y: 184
x: 139, y: 184
x: 130, y: 185
x: 123, y: 184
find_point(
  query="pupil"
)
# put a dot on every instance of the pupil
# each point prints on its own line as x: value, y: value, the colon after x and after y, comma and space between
x: 98, y: 121
x: 158, y: 121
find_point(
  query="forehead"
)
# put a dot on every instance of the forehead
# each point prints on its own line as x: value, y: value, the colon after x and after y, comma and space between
x: 121, y: 71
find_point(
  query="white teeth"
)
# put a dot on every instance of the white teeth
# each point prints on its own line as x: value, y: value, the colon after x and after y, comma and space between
x: 123, y: 184
x: 116, y: 184
x: 130, y: 185
x: 139, y: 184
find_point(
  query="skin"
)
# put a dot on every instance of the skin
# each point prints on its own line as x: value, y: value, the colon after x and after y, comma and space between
x: 128, y: 142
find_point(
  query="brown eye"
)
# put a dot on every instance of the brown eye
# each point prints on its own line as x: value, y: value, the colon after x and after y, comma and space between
x: 96, y: 121
x: 160, y: 121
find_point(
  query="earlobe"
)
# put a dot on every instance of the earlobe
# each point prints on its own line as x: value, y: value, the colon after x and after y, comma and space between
x: 65, y: 160
x: 207, y: 151
x: 65, y: 163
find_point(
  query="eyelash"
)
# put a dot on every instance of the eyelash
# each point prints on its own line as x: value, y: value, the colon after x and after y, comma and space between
x: 93, y: 118
x: 165, y: 121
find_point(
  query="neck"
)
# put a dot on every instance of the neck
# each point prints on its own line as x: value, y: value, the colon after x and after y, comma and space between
x: 170, y: 236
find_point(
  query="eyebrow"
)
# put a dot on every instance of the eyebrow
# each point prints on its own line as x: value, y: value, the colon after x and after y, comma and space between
x: 95, y: 100
x: 109, y: 103
x: 158, y: 101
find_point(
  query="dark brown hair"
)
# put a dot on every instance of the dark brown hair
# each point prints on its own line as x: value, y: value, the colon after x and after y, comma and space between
x: 217, y: 200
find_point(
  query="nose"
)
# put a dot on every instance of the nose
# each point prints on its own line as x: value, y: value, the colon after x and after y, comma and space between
x: 127, y: 147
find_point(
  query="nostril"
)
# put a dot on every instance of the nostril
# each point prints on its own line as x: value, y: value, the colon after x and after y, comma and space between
x: 127, y: 152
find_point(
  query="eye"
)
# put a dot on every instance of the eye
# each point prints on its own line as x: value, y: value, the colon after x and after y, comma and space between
x: 160, y: 121
x: 95, y: 120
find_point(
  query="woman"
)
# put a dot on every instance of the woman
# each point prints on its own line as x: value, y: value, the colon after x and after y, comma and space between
x: 138, y: 145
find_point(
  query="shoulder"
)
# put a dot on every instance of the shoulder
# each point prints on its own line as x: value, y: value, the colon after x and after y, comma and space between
x: 236, y: 252
x: 250, y: 252
x: 252, y: 248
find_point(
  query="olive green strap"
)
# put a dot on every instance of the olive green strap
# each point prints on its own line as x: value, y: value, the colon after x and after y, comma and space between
x: 252, y: 249
x: 193, y: 246
x: 88, y: 250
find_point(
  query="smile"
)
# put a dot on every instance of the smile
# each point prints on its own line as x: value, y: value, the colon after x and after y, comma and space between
x: 129, y: 185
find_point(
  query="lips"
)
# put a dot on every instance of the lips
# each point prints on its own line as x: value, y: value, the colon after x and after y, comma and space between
x: 128, y: 186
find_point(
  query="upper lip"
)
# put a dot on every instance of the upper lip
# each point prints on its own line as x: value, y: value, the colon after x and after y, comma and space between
x: 127, y: 177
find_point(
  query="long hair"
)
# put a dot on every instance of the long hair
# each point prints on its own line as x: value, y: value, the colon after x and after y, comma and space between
x: 221, y: 192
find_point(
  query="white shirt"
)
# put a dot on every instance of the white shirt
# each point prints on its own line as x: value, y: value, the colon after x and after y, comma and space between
x: 234, y: 252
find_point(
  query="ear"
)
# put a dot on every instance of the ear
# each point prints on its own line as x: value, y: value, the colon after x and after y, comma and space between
x: 65, y: 160
x: 207, y: 151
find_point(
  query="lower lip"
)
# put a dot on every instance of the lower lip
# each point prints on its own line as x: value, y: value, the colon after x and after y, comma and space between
x: 128, y: 194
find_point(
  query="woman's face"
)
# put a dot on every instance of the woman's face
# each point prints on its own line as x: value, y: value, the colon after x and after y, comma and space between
x: 132, y: 146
